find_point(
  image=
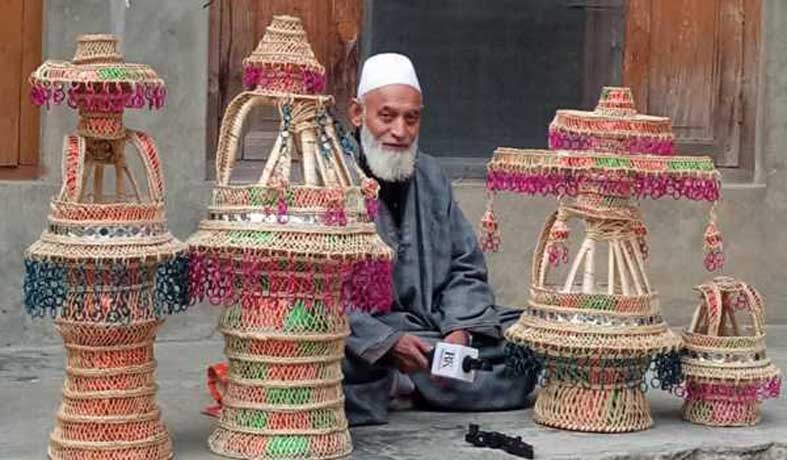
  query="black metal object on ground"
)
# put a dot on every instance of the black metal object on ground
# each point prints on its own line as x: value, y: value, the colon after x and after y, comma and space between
x: 497, y: 440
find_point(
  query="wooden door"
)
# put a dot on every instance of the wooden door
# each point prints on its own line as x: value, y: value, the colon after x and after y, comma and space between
x: 236, y: 26
x: 696, y: 61
x: 20, y: 53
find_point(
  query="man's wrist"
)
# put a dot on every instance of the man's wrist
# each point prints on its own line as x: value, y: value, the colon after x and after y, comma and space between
x: 467, y: 337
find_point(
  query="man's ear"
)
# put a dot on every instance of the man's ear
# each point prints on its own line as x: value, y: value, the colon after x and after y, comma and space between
x: 356, y: 112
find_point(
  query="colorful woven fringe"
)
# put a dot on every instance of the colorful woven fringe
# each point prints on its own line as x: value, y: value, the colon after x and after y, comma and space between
x: 615, y: 127
x: 106, y: 268
x: 563, y: 173
x: 727, y: 373
x: 286, y: 261
x: 97, y: 80
x: 595, y: 339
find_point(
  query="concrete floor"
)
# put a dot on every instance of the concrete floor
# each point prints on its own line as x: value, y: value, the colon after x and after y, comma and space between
x: 30, y: 381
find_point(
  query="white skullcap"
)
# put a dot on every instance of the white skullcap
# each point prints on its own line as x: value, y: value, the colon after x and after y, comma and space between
x: 387, y: 69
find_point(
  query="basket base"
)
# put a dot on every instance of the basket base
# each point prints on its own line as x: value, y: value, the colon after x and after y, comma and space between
x: 609, y: 410
x: 241, y: 445
x: 722, y: 412
x: 108, y: 411
x: 160, y: 449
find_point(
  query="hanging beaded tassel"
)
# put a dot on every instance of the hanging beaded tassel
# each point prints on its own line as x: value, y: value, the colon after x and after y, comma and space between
x: 489, y: 239
x: 667, y: 371
x: 713, y: 247
x: 556, y: 244
x: 370, y: 189
x: 641, y: 233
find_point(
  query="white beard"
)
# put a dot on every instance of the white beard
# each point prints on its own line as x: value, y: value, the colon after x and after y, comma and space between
x: 391, y: 165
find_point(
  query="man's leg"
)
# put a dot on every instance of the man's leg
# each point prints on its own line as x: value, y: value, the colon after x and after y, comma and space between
x: 491, y: 390
x: 508, y: 316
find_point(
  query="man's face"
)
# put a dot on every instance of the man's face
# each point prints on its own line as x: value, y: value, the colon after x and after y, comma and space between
x: 392, y: 114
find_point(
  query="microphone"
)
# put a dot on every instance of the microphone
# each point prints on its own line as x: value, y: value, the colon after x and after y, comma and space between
x: 458, y: 362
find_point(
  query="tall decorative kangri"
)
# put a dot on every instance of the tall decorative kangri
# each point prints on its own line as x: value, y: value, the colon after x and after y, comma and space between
x: 286, y: 261
x: 106, y: 269
x: 597, y: 332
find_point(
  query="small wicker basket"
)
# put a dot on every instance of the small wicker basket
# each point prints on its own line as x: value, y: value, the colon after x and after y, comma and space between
x: 727, y: 373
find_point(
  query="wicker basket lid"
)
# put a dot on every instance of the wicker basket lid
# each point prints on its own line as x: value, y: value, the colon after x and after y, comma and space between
x: 563, y: 173
x: 97, y: 79
x: 614, y: 126
x: 283, y: 61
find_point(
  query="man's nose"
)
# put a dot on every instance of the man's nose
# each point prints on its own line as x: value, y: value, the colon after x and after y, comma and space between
x: 399, y: 130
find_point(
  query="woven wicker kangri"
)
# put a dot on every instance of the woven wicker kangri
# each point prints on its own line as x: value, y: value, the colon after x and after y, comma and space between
x: 106, y: 268
x: 597, y: 331
x: 286, y: 261
x: 726, y: 371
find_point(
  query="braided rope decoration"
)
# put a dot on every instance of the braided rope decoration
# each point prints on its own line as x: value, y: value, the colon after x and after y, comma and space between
x: 597, y: 338
x: 106, y: 268
x: 286, y: 260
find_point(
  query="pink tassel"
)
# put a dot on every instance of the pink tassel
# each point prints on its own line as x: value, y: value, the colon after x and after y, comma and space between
x: 641, y: 233
x: 281, y: 184
x: 713, y: 247
x: 714, y: 250
x: 370, y: 188
x: 335, y: 214
x: 557, y: 250
x: 490, y: 233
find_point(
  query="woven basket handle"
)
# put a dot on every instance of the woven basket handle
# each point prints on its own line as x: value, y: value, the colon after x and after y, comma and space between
x: 74, y: 174
x: 538, y: 272
x: 711, y: 294
x: 711, y: 302
x: 152, y: 162
x: 72, y: 168
x: 757, y: 308
x: 298, y: 136
x: 230, y: 133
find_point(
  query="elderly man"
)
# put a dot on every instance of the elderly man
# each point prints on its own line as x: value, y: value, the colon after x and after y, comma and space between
x: 440, y: 278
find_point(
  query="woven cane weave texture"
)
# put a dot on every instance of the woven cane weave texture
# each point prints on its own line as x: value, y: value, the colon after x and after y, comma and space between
x: 286, y: 260
x: 106, y: 268
x: 727, y: 374
x: 608, y: 410
x: 241, y: 445
x: 595, y: 334
x: 283, y: 61
x: 614, y: 126
x: 108, y: 409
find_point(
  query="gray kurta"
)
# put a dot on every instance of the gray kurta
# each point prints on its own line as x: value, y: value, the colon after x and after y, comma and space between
x: 440, y: 285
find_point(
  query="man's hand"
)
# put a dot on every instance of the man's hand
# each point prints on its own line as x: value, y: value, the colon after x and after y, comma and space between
x: 409, y: 354
x: 459, y: 337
